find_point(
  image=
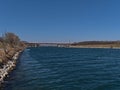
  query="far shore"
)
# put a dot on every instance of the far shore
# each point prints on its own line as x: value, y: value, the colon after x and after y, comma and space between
x: 85, y: 46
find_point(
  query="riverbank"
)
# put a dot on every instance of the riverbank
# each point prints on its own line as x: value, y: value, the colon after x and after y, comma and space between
x: 10, y: 48
x: 9, y: 66
x: 95, y: 46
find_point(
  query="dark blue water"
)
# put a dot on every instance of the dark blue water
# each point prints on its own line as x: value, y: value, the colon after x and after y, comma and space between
x: 50, y: 68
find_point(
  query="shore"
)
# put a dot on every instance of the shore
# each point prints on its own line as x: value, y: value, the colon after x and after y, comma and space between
x: 94, y: 46
x: 9, y: 66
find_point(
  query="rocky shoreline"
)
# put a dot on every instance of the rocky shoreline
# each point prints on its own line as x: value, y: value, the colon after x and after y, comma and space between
x: 9, y: 66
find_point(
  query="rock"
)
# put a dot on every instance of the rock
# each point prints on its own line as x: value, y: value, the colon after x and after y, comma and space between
x: 10, y: 64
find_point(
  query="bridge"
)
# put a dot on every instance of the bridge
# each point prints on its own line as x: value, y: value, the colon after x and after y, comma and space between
x: 48, y: 44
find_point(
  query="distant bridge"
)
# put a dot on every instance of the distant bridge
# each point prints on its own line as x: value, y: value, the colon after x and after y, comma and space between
x: 48, y: 44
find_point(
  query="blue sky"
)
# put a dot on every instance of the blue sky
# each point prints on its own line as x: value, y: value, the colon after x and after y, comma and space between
x: 61, y: 20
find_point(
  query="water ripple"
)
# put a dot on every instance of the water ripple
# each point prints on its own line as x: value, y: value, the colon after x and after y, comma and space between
x: 50, y: 68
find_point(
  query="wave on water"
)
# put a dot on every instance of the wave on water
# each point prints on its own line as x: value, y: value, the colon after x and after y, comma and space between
x: 52, y: 68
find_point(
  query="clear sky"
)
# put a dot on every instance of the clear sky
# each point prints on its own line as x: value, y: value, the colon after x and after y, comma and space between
x: 61, y: 20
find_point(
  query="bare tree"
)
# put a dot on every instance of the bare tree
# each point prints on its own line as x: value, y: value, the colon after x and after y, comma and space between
x: 11, y: 39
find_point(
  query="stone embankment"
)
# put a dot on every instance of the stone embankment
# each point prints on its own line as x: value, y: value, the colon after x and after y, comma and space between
x: 9, y: 66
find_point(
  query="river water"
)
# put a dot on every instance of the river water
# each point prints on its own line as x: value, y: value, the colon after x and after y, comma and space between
x: 52, y: 68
